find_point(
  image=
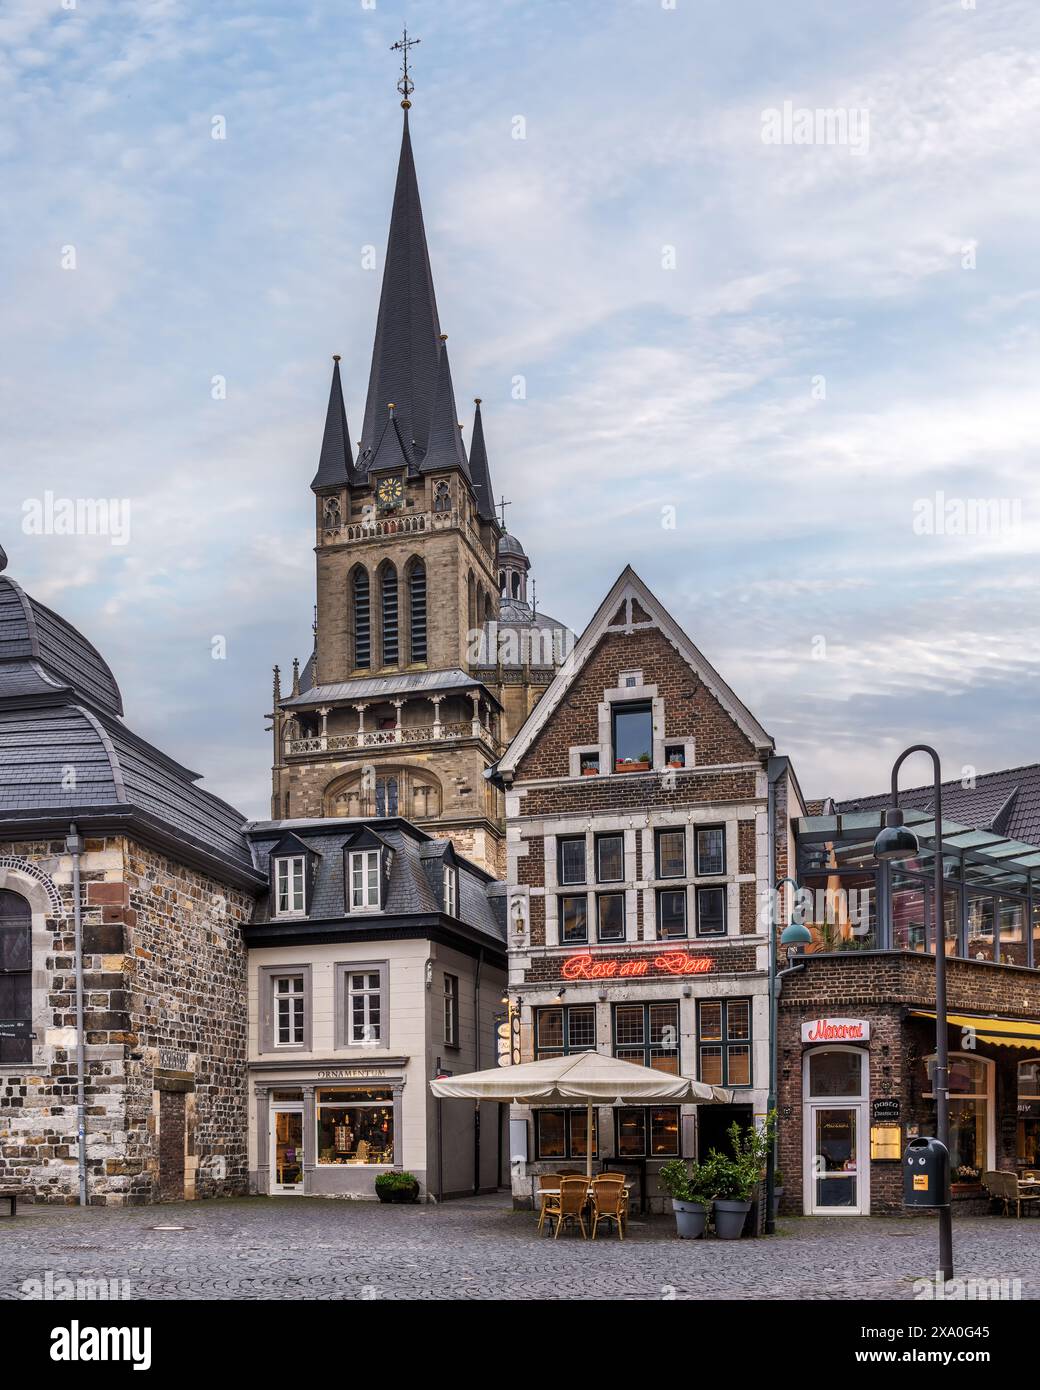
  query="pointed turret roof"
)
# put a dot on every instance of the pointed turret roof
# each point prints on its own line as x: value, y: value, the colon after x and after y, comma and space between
x: 444, y: 447
x: 336, y: 463
x: 479, y: 471
x: 406, y: 352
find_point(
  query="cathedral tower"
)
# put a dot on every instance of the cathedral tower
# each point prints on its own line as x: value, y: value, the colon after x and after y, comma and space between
x: 400, y: 709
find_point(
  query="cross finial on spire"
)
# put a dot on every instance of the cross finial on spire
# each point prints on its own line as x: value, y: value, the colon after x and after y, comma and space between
x: 502, y: 505
x: 405, y: 84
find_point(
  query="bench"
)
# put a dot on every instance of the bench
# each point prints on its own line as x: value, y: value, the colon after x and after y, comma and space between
x: 10, y: 1195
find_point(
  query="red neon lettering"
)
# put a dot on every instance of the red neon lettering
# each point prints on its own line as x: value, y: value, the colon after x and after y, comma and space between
x: 682, y: 963
x: 825, y: 1031
x: 585, y: 967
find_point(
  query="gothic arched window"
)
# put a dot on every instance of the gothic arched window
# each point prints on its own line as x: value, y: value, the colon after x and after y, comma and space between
x: 391, y: 633
x: 442, y: 498
x: 387, y: 799
x: 362, y: 619
x: 516, y: 585
x: 15, y: 976
x: 417, y: 611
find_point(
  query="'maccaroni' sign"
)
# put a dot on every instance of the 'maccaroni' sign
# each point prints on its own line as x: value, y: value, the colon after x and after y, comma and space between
x: 836, y: 1030
x: 587, y: 967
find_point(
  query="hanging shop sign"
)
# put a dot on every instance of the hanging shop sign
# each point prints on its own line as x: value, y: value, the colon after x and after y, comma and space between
x: 836, y: 1030
x: 587, y: 967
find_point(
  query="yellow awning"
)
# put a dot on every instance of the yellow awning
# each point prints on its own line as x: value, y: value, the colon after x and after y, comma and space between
x: 1004, y: 1032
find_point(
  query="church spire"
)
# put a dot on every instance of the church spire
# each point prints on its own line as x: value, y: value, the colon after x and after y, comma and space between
x: 406, y: 351
x: 479, y: 471
x: 444, y: 448
x: 336, y: 462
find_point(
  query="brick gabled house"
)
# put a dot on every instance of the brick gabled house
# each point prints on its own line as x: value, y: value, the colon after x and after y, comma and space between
x: 640, y: 854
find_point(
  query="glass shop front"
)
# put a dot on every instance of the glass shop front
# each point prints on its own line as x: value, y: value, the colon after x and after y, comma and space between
x: 329, y: 1139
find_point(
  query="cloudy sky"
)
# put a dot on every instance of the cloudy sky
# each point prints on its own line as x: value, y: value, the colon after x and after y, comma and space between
x: 751, y: 367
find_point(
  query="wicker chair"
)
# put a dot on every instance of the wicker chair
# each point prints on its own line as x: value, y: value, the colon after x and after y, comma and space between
x: 545, y: 1181
x: 609, y: 1202
x: 569, y: 1205
x: 1006, y: 1188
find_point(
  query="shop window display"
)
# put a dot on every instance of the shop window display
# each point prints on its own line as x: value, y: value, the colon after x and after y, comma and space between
x: 971, y: 1110
x: 356, y: 1126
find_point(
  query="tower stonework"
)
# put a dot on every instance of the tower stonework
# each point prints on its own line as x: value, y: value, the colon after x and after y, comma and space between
x: 423, y: 664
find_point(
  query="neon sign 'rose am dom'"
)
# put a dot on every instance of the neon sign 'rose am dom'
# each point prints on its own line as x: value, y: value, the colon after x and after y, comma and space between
x: 586, y: 967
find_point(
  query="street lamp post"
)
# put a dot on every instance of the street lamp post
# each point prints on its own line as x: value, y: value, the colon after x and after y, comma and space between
x: 897, y: 842
x: 793, y: 935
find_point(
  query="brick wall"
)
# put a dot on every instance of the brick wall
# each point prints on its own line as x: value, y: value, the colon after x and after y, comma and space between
x: 689, y: 708
x: 881, y: 988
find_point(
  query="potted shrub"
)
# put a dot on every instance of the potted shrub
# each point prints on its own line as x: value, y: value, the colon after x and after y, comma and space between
x: 397, y: 1187
x: 687, y: 1187
x: 735, y: 1178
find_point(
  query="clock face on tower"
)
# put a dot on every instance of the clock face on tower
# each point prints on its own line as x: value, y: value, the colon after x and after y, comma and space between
x: 389, y: 493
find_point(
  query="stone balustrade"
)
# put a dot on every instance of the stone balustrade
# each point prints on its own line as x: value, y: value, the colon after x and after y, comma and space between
x: 383, y: 738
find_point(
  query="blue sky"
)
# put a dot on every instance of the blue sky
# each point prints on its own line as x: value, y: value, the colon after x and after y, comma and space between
x: 905, y: 276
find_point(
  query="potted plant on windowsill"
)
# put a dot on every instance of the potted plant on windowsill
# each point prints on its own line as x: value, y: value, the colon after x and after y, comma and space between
x: 397, y: 1187
x: 687, y: 1186
x: 966, y: 1179
x: 640, y: 764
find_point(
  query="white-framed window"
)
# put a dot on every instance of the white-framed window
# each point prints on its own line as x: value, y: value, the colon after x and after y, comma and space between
x: 451, y: 1010
x: 364, y: 1008
x: 364, y: 879
x: 289, y: 1004
x: 451, y: 891
x: 290, y: 880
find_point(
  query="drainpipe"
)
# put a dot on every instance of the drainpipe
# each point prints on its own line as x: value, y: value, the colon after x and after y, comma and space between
x: 74, y: 845
x: 476, y: 1103
x: 773, y: 772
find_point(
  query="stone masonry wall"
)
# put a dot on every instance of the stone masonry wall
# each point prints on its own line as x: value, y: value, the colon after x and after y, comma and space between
x: 164, y: 978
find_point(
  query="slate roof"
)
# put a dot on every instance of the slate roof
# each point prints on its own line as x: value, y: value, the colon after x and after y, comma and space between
x: 509, y: 545
x: 336, y: 461
x: 409, y: 363
x: 382, y: 687
x: 479, y: 470
x: 412, y: 891
x: 30, y: 630
x: 65, y: 753
x: 1006, y: 802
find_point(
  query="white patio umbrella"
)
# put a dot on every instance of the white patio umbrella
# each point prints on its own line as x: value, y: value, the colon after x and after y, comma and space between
x: 588, y: 1076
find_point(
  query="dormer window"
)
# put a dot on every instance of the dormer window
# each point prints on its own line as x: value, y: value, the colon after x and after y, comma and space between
x: 364, y: 880
x: 451, y: 890
x: 290, y: 878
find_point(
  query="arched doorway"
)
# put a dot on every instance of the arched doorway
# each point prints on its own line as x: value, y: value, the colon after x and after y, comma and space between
x: 835, y: 1132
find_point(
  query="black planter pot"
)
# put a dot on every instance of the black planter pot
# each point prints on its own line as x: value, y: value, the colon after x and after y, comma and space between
x: 398, y: 1194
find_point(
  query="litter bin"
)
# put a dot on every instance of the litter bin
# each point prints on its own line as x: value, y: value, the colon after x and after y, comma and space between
x: 926, y: 1174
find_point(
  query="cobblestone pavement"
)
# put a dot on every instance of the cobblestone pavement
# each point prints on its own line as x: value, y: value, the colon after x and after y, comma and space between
x: 302, y: 1248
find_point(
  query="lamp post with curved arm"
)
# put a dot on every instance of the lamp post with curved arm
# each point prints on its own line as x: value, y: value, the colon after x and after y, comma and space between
x: 897, y: 842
